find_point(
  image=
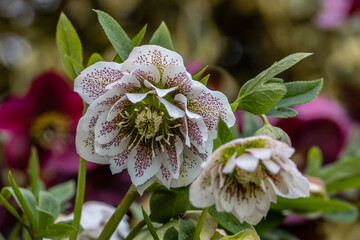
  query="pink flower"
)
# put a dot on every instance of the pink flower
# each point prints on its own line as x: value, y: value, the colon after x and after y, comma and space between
x: 45, y: 117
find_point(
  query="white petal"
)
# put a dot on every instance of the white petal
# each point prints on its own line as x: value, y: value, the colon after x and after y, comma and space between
x: 271, y: 166
x: 262, y: 201
x: 298, y: 185
x: 85, y: 146
x: 230, y: 165
x: 261, y: 153
x: 119, y: 162
x: 247, y: 162
x: 240, y: 205
x: 190, y: 167
x: 137, y: 97
x: 254, y: 218
x: 172, y: 157
x: 105, y: 131
x: 128, y: 83
x: 118, y: 107
x: 142, y: 165
x: 269, y: 190
x: 226, y: 196
x: 177, y: 76
x: 173, y: 110
x: 181, y: 101
x: 160, y: 92
x: 91, y: 82
x: 198, y: 133
x: 152, y: 55
x: 210, y: 105
x: 105, y: 101
x: 280, y: 186
x: 164, y: 176
x: 200, y: 193
x: 114, y: 147
x: 141, y: 188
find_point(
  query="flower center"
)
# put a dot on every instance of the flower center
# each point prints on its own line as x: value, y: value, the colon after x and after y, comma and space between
x: 245, y: 177
x: 148, y: 122
x: 50, y: 130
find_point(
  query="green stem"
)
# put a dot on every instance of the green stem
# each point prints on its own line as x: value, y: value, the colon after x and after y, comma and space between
x: 264, y: 119
x: 80, y: 192
x: 135, y: 231
x: 119, y: 213
x: 200, y: 224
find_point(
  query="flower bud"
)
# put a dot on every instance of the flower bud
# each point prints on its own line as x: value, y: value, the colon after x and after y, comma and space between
x: 275, y: 133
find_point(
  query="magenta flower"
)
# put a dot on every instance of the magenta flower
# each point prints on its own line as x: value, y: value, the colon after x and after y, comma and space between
x: 45, y: 117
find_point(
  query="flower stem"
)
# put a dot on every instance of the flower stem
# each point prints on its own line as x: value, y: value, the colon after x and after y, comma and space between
x: 80, y: 192
x: 264, y: 119
x: 200, y: 224
x: 135, y: 231
x: 119, y: 213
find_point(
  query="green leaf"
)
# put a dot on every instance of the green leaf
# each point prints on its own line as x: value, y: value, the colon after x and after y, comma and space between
x: 312, y: 204
x: 68, y: 44
x: 205, y: 79
x: 171, y: 234
x: 44, y: 219
x: 272, y: 220
x: 165, y: 205
x: 74, y: 62
x: 64, y: 191
x: 162, y: 37
x: 25, y: 199
x: 282, y: 112
x: 224, y: 134
x: 94, y: 58
x: 34, y: 171
x: 11, y: 209
x: 314, y: 161
x: 346, y: 216
x: 48, y: 203
x: 149, y: 225
x: 246, y: 234
x: 228, y: 221
x: 139, y: 37
x: 196, y: 76
x: 250, y: 124
x: 276, y: 68
x: 186, y: 229
x: 343, y: 184
x: 278, y: 234
x: 117, y: 36
x: 117, y: 59
x: 56, y: 231
x: 262, y: 99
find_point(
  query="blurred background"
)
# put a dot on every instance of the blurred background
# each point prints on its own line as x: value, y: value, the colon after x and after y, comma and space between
x: 236, y: 38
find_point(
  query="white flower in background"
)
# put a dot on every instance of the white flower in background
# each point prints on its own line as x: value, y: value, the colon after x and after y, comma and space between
x: 148, y: 116
x: 245, y: 175
x: 94, y: 216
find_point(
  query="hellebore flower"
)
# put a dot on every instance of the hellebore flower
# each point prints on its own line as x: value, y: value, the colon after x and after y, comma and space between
x: 45, y: 117
x: 245, y: 175
x: 148, y: 116
x: 94, y: 216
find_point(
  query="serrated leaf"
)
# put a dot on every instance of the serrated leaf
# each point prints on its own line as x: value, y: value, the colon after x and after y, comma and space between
x: 117, y: 36
x: 262, y: 99
x: 186, y: 229
x: 25, y: 199
x: 282, y: 112
x: 68, y: 44
x: 64, y: 191
x: 34, y: 171
x: 196, y: 76
x: 312, y: 204
x: 300, y: 92
x: 56, y: 231
x: 94, y: 58
x: 314, y: 161
x: 205, y: 79
x: 276, y: 68
x: 228, y: 221
x: 162, y: 37
x: 171, y: 234
x: 139, y: 37
x: 165, y: 205
x: 48, y: 203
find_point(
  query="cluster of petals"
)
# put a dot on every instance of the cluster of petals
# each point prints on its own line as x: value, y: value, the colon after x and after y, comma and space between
x: 245, y: 175
x: 148, y: 115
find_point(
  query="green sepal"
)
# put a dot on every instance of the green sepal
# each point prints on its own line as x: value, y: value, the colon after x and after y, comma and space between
x: 196, y: 76
x: 205, y: 79
x: 314, y: 162
x: 94, y: 58
x: 139, y: 36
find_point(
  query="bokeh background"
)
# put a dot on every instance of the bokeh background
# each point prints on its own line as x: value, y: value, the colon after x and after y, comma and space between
x: 236, y: 38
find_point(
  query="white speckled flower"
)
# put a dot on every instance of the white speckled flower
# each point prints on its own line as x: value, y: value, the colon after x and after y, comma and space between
x: 148, y: 116
x: 245, y: 175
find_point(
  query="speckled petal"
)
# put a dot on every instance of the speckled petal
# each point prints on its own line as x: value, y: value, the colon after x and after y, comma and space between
x: 105, y: 131
x: 152, y: 55
x: 91, y: 82
x: 121, y: 105
x: 114, y: 147
x: 201, y: 191
x: 177, y: 76
x: 172, y: 157
x: 173, y: 110
x: 128, y: 83
x: 226, y: 196
x: 160, y: 92
x: 119, y: 162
